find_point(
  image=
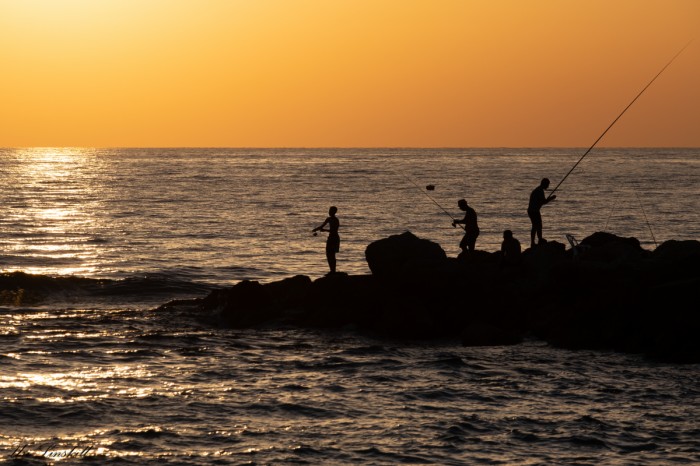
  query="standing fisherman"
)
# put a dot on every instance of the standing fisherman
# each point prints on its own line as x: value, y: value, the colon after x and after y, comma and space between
x: 333, y: 241
x: 537, y: 200
x: 471, y: 227
x: 541, y: 200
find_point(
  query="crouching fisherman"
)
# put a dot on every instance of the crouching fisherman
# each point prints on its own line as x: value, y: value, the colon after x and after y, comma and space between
x: 510, y: 250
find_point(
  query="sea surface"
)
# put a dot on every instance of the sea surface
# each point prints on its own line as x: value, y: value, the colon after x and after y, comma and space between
x: 92, y: 241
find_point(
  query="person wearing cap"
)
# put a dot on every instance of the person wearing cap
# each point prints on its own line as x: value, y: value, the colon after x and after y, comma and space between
x: 333, y: 241
x: 537, y: 200
x: 471, y: 227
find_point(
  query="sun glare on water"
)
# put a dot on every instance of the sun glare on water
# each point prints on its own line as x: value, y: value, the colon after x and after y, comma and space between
x: 52, y: 233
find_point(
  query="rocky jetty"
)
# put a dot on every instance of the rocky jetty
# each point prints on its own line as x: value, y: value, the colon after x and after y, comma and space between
x: 608, y: 293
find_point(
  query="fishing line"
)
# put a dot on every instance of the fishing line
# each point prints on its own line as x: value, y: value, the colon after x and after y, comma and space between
x: 429, y: 197
x: 612, y: 209
x: 618, y: 117
x: 645, y: 217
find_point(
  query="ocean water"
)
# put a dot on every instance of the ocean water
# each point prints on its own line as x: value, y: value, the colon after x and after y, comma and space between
x: 90, y: 370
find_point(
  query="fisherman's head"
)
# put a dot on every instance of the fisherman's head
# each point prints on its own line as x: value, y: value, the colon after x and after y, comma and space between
x: 507, y: 234
x: 332, y: 210
x: 544, y: 183
x: 462, y: 203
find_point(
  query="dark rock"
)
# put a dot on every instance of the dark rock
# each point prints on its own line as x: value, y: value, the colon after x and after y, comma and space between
x: 242, y: 305
x: 677, y: 251
x: 546, y: 254
x: 601, y: 238
x: 289, y: 290
x: 672, y: 321
x: 403, y: 253
x: 607, y: 247
x: 543, y: 258
x: 673, y: 261
x: 338, y: 299
x: 479, y: 257
x: 620, y: 298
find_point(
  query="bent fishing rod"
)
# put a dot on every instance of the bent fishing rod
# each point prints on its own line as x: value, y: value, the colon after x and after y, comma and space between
x: 430, y: 197
x: 618, y: 117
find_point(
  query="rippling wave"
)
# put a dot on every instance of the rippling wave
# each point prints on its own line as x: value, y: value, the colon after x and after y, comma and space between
x: 21, y: 289
x: 93, y: 241
x: 161, y: 388
x: 225, y: 215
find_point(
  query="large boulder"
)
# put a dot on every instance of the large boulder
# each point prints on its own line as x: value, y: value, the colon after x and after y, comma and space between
x: 250, y: 303
x: 405, y: 252
x: 289, y: 291
x: 545, y: 256
x: 241, y: 305
x: 610, y: 248
x: 601, y: 238
x: 677, y: 251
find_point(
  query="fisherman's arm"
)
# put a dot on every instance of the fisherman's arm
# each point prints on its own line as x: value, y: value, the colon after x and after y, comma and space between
x: 456, y: 222
x: 320, y: 227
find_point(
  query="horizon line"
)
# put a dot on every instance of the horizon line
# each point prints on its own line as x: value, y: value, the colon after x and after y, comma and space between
x: 345, y: 147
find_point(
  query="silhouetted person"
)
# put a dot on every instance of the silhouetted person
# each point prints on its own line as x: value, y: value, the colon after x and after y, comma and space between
x: 510, y: 249
x: 333, y: 241
x: 471, y: 227
x: 537, y: 200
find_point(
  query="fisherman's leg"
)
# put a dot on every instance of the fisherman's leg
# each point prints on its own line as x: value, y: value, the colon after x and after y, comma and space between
x: 536, y: 228
x: 539, y: 233
x: 464, y: 244
x: 330, y: 255
x: 471, y: 243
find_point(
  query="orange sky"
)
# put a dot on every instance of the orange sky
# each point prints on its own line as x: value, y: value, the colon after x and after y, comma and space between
x: 343, y: 73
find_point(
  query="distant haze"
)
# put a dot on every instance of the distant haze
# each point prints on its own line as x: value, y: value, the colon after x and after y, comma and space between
x: 347, y: 73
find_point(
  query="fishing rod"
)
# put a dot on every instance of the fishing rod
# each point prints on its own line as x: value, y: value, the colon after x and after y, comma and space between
x: 618, y: 117
x: 429, y: 197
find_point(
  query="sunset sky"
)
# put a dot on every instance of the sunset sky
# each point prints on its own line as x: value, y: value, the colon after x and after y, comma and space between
x: 345, y: 73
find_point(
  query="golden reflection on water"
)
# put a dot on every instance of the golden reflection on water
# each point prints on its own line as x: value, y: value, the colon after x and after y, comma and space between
x: 53, y: 233
x: 41, y: 164
x: 81, y: 380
